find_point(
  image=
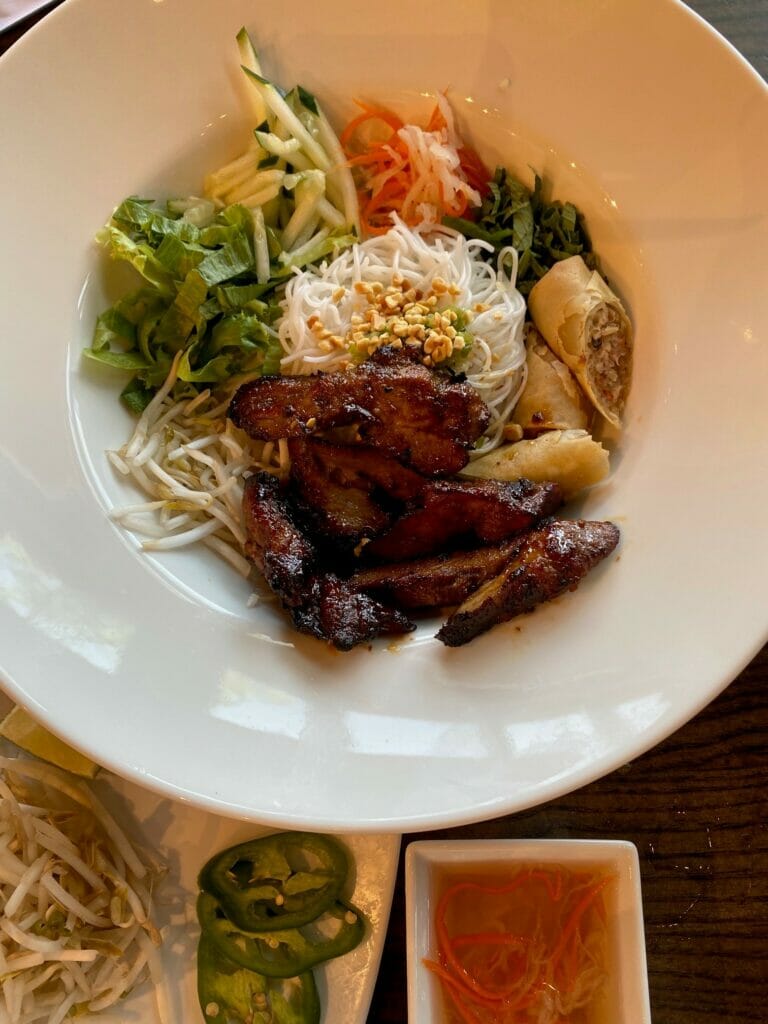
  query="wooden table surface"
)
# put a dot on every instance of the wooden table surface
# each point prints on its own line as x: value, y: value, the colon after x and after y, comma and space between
x: 696, y: 806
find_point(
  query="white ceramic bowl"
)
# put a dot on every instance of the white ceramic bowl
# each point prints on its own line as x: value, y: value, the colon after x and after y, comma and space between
x: 154, y: 665
x: 625, y: 995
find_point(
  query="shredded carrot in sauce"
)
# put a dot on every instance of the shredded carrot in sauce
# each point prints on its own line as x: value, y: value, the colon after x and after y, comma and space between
x: 531, y: 949
x: 419, y: 174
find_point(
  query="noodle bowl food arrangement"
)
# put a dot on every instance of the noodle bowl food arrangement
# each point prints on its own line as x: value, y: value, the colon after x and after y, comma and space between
x: 339, y: 383
x: 344, y: 357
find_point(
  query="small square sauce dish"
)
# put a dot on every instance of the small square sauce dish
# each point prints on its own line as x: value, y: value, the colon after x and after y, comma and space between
x: 547, y: 930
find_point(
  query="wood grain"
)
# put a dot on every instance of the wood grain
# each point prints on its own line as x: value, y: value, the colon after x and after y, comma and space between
x: 697, y: 809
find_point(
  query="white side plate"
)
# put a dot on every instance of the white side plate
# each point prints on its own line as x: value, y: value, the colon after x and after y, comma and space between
x: 185, y: 838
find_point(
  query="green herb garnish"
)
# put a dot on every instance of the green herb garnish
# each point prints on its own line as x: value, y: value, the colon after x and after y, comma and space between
x: 542, y: 232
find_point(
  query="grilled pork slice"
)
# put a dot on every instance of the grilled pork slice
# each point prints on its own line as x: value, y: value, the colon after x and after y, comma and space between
x: 425, y: 419
x: 484, y: 510
x: 349, y: 491
x: 549, y: 560
x: 363, y: 466
x: 319, y: 603
x: 337, y: 612
x: 275, y: 542
x: 438, y: 581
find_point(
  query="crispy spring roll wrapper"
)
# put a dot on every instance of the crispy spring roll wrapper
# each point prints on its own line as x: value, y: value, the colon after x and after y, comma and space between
x: 571, y: 458
x: 585, y: 324
x: 552, y: 399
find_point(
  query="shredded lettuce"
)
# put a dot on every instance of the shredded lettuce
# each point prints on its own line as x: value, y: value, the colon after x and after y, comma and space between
x: 212, y: 266
x: 200, y: 296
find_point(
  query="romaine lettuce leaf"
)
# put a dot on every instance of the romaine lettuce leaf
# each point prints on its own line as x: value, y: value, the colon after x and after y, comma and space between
x: 140, y: 255
x: 542, y: 232
x: 201, y: 297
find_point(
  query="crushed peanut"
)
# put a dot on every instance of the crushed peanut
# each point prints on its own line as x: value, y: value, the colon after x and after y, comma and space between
x: 393, y: 316
x: 512, y: 432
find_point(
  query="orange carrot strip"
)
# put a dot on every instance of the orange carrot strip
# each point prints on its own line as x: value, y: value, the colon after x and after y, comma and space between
x: 464, y: 1011
x: 352, y: 127
x: 475, y: 171
x: 558, y: 887
x: 377, y: 225
x: 444, y: 940
x: 393, y: 187
x: 468, y: 980
x: 371, y: 156
x: 391, y: 119
x: 436, y: 121
x: 570, y: 967
x: 458, y: 983
x: 497, y: 890
x: 380, y: 159
x: 379, y: 206
x: 483, y: 973
x: 453, y: 986
x: 529, y: 994
x: 490, y: 938
x: 458, y: 887
x: 458, y: 206
x: 575, y: 916
x: 370, y: 114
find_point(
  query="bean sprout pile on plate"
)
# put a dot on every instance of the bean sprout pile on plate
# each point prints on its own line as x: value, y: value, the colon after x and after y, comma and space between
x: 76, y: 932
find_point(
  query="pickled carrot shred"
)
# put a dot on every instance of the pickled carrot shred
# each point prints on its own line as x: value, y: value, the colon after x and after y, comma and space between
x: 422, y: 174
x: 547, y: 969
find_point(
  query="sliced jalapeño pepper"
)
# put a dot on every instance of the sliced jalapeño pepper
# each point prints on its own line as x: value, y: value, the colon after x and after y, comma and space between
x: 230, y: 994
x: 285, y: 952
x: 280, y: 881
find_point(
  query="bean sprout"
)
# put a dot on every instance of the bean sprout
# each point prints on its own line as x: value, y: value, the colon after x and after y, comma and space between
x: 75, y: 900
x: 190, y: 461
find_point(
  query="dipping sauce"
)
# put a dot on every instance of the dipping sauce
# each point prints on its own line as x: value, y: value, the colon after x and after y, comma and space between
x: 526, y: 945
